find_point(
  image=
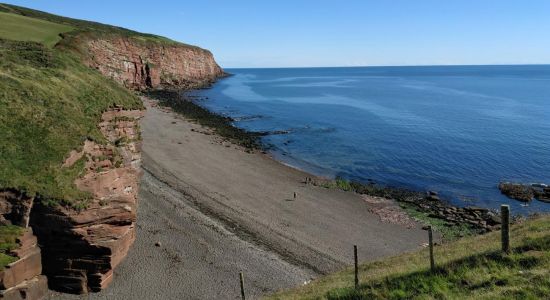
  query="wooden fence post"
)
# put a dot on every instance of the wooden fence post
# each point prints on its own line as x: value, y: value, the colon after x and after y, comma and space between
x: 431, y: 242
x: 356, y: 267
x: 505, y: 229
x: 241, y: 278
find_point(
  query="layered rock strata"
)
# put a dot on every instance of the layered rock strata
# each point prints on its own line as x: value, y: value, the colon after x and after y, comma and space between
x: 22, y: 279
x: 82, y: 247
x: 140, y: 65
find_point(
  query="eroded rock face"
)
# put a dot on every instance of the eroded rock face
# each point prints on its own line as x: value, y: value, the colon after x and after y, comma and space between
x: 15, y: 208
x: 82, y: 247
x: 139, y: 65
x: 22, y: 279
x: 33, y: 289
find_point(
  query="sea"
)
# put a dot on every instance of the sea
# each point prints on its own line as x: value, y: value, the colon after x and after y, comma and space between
x: 457, y: 130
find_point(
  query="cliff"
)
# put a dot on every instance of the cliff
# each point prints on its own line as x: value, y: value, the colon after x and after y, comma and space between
x: 140, y: 65
x: 82, y: 247
x: 70, y: 144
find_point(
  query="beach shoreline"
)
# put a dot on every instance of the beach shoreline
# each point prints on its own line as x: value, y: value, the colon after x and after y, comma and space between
x: 427, y: 206
x: 215, y: 209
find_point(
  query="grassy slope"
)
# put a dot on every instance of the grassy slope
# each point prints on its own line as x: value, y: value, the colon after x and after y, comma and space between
x: 21, y: 28
x: 470, y: 268
x: 88, y: 27
x: 49, y: 104
x: 49, y: 101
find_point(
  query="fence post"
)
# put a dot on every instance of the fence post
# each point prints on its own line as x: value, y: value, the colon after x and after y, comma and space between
x: 241, y: 277
x: 505, y: 229
x: 431, y: 242
x: 356, y: 267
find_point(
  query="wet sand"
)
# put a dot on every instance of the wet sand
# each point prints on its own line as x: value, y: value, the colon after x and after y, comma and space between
x: 217, y: 210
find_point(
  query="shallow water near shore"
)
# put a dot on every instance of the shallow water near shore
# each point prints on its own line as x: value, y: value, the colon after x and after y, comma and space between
x: 458, y: 130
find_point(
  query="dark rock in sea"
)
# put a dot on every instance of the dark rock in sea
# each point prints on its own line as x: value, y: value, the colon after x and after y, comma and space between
x: 517, y: 191
x: 275, y: 132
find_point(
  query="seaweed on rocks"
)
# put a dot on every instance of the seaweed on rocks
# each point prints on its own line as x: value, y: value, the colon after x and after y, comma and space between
x: 222, y: 125
x: 473, y: 219
x: 517, y: 191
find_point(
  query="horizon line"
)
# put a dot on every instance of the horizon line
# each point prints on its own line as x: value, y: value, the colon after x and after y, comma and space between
x: 390, y: 66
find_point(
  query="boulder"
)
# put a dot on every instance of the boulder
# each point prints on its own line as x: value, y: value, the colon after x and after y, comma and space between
x: 433, y: 198
x: 476, y: 209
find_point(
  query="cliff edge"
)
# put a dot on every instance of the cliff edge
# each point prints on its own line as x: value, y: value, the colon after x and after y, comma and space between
x: 70, y: 144
x: 138, y: 65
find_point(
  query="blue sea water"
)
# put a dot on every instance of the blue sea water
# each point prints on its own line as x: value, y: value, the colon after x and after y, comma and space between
x: 458, y: 130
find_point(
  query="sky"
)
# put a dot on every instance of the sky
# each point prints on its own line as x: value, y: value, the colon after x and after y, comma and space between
x: 317, y: 33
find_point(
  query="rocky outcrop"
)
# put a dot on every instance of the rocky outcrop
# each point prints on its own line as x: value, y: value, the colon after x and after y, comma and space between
x: 33, y: 289
x: 517, y: 191
x: 478, y: 219
x: 15, y: 208
x: 139, y: 64
x: 525, y: 192
x: 22, y: 278
x: 81, y: 247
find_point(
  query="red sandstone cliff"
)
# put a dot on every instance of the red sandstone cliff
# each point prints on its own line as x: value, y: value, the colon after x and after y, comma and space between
x: 82, y: 248
x: 79, y: 249
x: 139, y: 65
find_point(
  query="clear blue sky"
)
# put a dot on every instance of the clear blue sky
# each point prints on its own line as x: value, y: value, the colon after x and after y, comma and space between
x: 291, y: 33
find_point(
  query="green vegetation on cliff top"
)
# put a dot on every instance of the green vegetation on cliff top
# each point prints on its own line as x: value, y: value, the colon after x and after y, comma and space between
x: 82, y: 27
x: 21, y: 28
x: 469, y: 268
x: 50, y: 103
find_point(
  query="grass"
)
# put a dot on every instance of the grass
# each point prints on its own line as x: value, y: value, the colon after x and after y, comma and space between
x: 89, y: 27
x: 21, y: 28
x: 8, y: 242
x: 50, y: 103
x: 469, y: 268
